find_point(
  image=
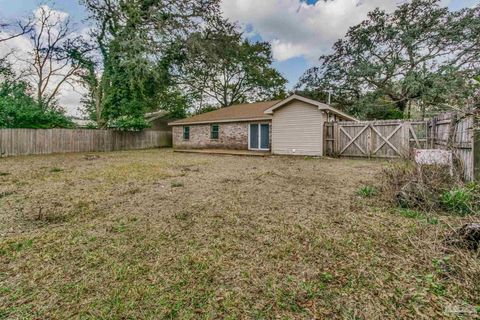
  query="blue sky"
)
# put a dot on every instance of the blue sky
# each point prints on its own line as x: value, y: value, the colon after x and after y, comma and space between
x: 291, y: 67
x: 299, y: 30
x: 300, y: 34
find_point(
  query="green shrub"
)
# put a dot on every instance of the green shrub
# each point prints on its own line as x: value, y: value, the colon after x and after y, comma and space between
x: 19, y: 110
x: 91, y: 125
x: 366, y: 191
x: 433, y: 189
x: 461, y: 200
x: 128, y: 123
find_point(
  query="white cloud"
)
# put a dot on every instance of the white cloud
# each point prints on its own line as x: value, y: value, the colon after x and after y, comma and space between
x: 55, y: 15
x: 285, y: 50
x: 298, y: 29
x: 22, y: 48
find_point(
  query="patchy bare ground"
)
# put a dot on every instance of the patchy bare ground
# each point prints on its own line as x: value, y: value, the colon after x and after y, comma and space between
x: 154, y: 234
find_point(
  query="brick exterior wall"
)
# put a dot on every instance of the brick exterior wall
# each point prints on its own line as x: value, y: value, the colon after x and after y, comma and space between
x: 232, y: 135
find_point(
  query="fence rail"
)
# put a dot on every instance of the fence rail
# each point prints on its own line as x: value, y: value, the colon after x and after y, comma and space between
x: 15, y: 142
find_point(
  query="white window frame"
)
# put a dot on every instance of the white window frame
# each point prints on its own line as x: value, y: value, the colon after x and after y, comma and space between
x: 259, y: 136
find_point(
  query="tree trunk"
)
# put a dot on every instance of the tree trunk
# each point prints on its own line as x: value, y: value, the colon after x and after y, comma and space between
x: 100, y: 122
x: 98, y: 107
x: 401, y: 105
x: 39, y: 91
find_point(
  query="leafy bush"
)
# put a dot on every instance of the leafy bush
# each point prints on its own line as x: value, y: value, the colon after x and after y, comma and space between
x: 130, y: 123
x: 19, y: 110
x: 366, y: 191
x: 91, y: 125
x: 462, y: 200
x: 432, y: 189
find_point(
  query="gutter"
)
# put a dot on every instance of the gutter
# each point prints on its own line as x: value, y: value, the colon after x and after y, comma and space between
x: 176, y: 123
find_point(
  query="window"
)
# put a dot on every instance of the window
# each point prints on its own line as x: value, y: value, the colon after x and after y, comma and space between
x: 214, y: 131
x: 186, y: 133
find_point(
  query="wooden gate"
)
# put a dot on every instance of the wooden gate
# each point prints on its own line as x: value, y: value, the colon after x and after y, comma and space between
x: 458, y: 132
x: 381, y: 139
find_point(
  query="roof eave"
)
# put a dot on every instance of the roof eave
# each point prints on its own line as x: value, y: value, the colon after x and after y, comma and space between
x: 320, y: 105
x: 183, y: 123
x: 338, y: 112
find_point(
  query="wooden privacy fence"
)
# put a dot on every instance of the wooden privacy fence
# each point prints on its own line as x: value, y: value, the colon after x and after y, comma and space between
x: 457, y: 132
x: 15, y: 142
x: 381, y: 139
x: 396, y: 138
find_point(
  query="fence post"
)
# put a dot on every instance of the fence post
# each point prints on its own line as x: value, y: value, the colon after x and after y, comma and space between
x: 406, y: 138
x: 451, y: 131
x: 325, y: 139
x: 336, y: 137
x: 433, y: 124
x: 369, y: 141
x: 476, y: 152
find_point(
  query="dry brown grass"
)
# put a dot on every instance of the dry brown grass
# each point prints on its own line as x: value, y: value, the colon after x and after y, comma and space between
x: 153, y: 234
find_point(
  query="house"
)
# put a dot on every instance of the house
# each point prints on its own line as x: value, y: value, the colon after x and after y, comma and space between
x: 81, y: 122
x: 158, y: 120
x: 291, y: 126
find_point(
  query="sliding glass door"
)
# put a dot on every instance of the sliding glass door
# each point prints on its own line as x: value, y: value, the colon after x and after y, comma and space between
x: 259, y: 136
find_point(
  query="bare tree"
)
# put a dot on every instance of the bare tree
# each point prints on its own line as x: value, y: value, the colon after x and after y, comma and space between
x: 11, y: 31
x: 49, y: 64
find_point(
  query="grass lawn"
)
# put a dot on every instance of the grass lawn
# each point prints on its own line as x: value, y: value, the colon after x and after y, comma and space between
x: 155, y: 234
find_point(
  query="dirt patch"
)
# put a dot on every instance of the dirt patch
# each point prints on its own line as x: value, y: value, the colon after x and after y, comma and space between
x: 157, y: 234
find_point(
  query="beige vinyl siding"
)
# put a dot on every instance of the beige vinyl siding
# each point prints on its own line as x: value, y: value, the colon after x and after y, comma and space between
x: 297, y: 128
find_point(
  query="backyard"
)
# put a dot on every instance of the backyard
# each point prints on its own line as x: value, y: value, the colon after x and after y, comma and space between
x: 158, y: 234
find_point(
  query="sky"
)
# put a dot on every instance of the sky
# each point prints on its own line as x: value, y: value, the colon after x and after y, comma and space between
x: 299, y: 30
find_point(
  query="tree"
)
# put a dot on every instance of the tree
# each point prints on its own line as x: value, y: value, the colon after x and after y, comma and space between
x: 19, y: 110
x: 130, y: 72
x: 5, y: 68
x: 49, y: 65
x: 11, y: 31
x: 17, y: 107
x: 221, y: 67
x: 421, y: 55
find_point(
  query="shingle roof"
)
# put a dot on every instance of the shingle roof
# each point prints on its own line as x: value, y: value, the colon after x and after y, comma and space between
x: 239, y: 112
